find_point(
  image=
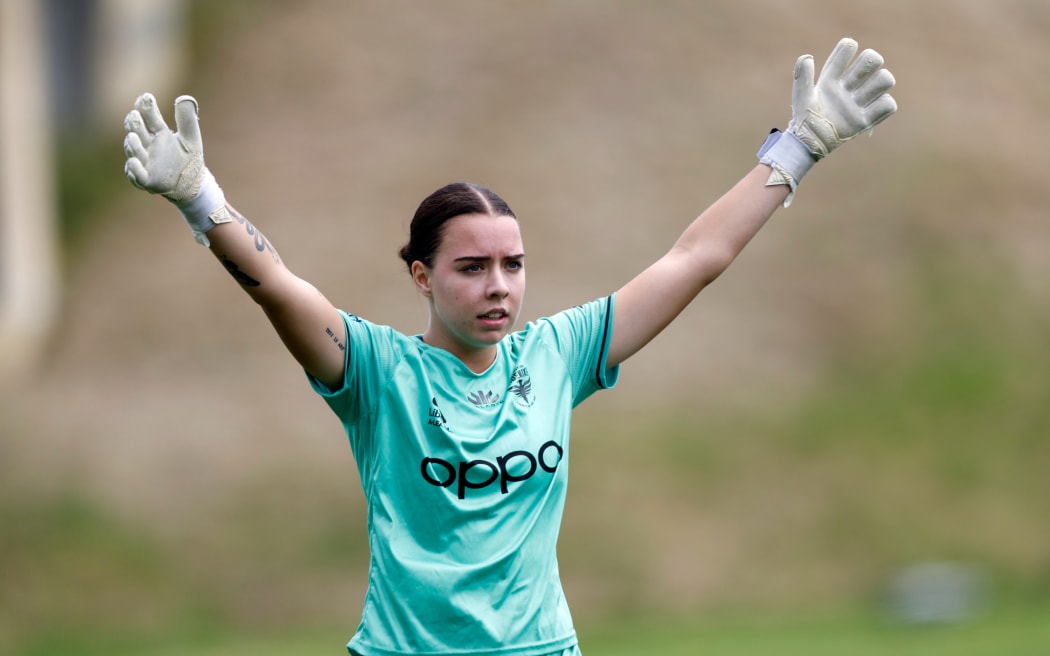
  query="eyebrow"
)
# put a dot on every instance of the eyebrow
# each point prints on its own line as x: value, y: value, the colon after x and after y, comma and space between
x: 486, y: 258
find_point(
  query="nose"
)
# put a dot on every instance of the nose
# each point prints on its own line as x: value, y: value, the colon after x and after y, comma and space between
x: 497, y: 284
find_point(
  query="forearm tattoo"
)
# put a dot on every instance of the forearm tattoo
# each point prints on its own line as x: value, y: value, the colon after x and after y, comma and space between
x: 237, y: 274
x: 261, y: 243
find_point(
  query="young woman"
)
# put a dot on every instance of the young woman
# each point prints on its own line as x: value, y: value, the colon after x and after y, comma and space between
x: 461, y: 433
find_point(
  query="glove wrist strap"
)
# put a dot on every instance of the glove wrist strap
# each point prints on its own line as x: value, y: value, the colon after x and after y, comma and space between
x: 788, y: 157
x: 205, y: 210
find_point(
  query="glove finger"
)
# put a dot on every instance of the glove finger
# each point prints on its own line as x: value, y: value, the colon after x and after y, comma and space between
x: 863, y: 66
x: 147, y: 106
x: 881, y: 109
x: 803, y: 85
x: 133, y: 124
x: 875, y: 86
x: 133, y: 148
x: 186, y: 122
x: 835, y: 66
x: 136, y: 172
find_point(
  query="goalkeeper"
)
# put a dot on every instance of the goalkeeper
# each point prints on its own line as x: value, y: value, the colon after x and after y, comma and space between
x: 461, y: 433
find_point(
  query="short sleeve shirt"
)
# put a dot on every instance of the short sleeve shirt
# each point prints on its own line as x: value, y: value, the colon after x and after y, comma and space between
x: 465, y: 477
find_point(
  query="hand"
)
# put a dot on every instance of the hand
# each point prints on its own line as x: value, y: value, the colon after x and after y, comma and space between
x: 172, y: 163
x: 161, y: 161
x: 847, y: 99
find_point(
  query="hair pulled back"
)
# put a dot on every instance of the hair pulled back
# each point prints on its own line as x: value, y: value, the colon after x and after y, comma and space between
x: 452, y: 200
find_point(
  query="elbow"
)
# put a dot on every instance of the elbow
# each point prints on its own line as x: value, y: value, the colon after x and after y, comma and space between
x: 709, y: 263
x: 278, y: 292
x: 265, y: 297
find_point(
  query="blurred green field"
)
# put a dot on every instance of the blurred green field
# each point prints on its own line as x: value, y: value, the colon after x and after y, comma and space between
x: 1015, y: 630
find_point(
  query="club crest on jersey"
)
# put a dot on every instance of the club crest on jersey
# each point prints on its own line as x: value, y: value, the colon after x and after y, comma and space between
x: 521, y: 387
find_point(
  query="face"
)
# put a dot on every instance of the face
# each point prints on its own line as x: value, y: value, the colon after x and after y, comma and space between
x: 474, y: 287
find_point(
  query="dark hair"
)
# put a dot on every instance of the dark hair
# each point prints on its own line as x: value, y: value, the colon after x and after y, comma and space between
x: 452, y: 200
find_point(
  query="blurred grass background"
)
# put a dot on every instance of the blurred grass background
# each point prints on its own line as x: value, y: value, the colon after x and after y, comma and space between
x: 866, y: 389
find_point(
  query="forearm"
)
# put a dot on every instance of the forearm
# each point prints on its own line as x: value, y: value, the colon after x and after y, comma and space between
x: 248, y: 257
x: 716, y: 237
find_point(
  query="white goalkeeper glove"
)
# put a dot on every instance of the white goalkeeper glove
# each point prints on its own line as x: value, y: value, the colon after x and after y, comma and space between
x: 172, y: 163
x: 850, y: 97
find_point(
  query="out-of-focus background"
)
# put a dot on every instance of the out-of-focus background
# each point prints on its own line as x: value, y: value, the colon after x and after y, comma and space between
x: 853, y: 422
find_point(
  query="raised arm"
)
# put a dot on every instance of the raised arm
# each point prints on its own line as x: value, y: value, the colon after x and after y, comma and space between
x: 172, y: 164
x: 850, y: 97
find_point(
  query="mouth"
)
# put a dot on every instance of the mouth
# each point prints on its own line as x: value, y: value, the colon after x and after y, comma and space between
x: 494, y: 317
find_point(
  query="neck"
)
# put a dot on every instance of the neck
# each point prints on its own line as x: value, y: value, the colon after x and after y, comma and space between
x: 475, y: 359
x: 478, y: 361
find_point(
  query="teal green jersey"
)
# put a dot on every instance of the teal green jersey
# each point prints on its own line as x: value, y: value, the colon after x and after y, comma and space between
x: 465, y: 476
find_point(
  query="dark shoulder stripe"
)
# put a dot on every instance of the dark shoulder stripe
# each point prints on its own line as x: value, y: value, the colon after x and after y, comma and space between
x: 602, y: 355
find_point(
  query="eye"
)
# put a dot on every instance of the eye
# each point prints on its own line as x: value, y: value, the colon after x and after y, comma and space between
x: 472, y: 268
x: 514, y: 265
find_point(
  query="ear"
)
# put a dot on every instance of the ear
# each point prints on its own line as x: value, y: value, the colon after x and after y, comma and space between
x: 421, y: 276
